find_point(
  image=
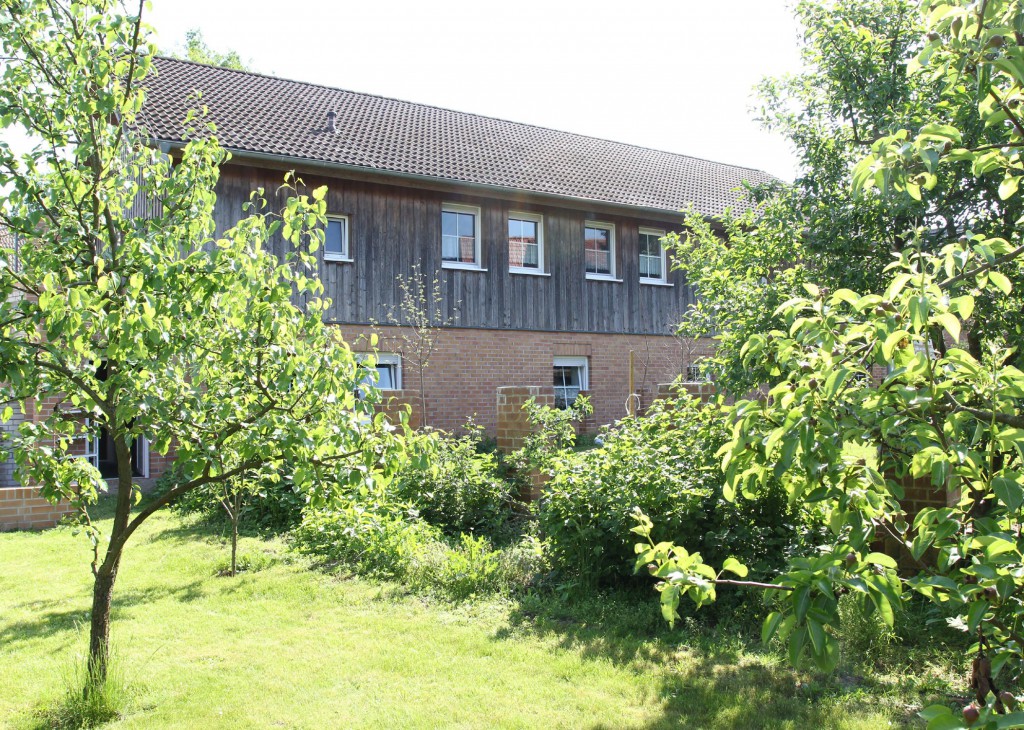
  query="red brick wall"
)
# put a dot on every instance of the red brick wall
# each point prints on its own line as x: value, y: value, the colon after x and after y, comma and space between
x: 21, y: 508
x: 469, y: 365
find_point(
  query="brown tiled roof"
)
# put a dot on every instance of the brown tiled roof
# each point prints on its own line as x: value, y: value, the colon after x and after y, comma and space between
x: 269, y: 115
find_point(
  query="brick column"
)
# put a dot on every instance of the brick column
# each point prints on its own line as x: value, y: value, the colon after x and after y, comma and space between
x: 514, y: 425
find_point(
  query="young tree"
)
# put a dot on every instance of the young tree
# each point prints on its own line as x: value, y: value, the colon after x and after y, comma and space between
x: 875, y: 387
x: 125, y: 304
x: 419, y: 320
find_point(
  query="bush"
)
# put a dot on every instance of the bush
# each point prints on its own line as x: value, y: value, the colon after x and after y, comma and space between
x: 456, y: 484
x: 378, y: 540
x: 664, y: 463
x: 389, y: 542
x: 273, y: 504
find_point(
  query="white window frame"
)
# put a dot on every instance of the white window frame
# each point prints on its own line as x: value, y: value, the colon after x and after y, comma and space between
x: 537, y: 218
x: 475, y: 211
x: 610, y: 227
x: 346, y: 253
x: 663, y: 279
x: 384, y: 358
x: 570, y: 362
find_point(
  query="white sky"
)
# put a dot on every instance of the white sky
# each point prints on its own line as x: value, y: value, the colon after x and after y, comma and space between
x: 673, y: 75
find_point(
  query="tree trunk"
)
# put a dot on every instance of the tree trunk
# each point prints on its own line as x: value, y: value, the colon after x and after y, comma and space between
x: 106, y: 574
x: 235, y: 516
x: 99, y: 629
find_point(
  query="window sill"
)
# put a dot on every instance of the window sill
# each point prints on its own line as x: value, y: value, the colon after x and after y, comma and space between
x: 528, y: 272
x: 338, y: 260
x: 596, y: 277
x: 461, y: 267
x: 655, y: 282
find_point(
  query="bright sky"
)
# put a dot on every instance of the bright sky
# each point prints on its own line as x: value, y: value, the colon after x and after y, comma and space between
x: 673, y: 75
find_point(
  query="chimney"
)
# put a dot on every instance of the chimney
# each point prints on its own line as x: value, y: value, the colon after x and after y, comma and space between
x: 331, y: 116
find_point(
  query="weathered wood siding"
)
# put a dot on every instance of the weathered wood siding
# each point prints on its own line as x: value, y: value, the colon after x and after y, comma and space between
x: 392, y: 228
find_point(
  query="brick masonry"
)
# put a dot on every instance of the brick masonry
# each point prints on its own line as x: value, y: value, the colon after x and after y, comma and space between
x: 21, y: 508
x: 469, y: 365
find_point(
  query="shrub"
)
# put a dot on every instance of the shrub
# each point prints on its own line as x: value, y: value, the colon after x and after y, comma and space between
x: 456, y: 484
x: 272, y: 504
x: 664, y: 463
x: 377, y: 539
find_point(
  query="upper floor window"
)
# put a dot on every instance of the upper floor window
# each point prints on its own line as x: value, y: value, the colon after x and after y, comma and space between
x: 571, y: 376
x: 460, y: 236
x: 336, y: 239
x: 599, y: 243
x: 525, y: 243
x: 653, y: 264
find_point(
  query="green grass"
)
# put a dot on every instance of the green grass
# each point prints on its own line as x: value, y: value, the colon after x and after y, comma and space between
x: 288, y: 646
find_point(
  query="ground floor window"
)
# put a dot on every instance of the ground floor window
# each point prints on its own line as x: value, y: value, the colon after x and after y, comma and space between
x: 388, y: 369
x: 571, y: 376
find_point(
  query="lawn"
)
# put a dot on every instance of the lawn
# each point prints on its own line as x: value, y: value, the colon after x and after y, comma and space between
x: 295, y: 647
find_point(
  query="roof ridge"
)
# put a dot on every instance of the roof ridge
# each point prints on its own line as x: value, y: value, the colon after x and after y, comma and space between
x: 271, y: 77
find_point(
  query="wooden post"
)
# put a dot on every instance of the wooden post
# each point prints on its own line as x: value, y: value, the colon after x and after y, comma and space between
x: 632, y: 399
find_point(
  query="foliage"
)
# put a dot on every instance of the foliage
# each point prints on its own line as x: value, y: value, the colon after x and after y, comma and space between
x: 272, y: 504
x: 885, y: 372
x: 388, y: 541
x: 744, y: 268
x: 665, y: 464
x: 455, y: 484
x: 144, y: 322
x: 552, y: 433
x: 376, y: 538
x: 197, y: 50
x: 860, y: 84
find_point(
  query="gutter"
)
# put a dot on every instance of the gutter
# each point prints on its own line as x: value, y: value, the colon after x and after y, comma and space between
x: 413, y: 180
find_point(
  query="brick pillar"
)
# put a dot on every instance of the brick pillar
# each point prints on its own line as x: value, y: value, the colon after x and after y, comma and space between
x: 917, y: 495
x: 394, y: 402
x: 514, y: 425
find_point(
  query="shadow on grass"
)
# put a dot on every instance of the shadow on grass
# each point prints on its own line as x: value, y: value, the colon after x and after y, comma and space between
x: 47, y: 623
x: 707, y: 678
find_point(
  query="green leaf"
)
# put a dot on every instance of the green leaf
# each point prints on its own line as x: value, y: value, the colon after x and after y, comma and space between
x: 770, y: 625
x: 950, y: 323
x: 735, y: 566
x: 893, y: 341
x: 919, y: 312
x: 1000, y: 281
x: 1009, y: 492
x: 880, y: 559
x: 1008, y: 187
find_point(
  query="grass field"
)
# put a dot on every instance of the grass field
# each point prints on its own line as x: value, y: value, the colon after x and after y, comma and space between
x: 289, y: 646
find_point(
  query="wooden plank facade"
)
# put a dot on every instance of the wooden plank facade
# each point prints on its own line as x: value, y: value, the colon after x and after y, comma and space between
x: 393, y: 227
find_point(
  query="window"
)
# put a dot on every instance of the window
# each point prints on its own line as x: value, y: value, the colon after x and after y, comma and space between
x: 652, y: 256
x: 525, y: 243
x: 599, y: 243
x: 695, y: 373
x: 460, y: 236
x: 336, y: 239
x: 571, y: 377
x: 388, y: 371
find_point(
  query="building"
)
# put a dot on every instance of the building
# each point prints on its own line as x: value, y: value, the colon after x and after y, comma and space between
x: 544, y: 244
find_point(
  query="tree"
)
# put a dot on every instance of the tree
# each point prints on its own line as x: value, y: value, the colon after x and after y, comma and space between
x: 197, y: 50
x: 872, y: 388
x: 419, y: 319
x: 125, y: 304
x: 857, y: 87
